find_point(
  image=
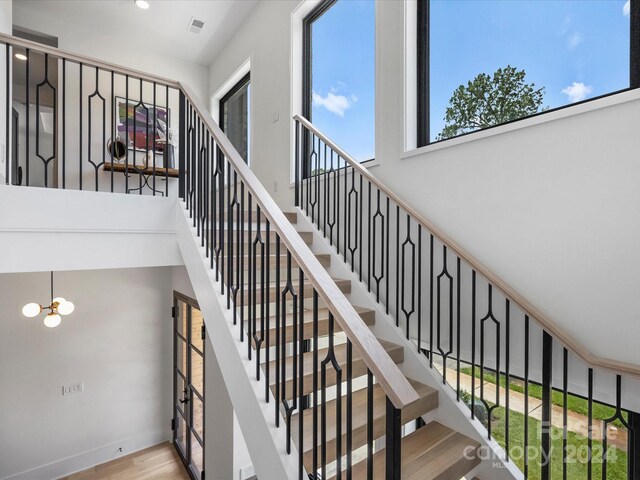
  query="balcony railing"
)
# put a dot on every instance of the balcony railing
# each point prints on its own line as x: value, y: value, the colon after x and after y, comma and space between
x: 537, y: 391
x: 91, y: 125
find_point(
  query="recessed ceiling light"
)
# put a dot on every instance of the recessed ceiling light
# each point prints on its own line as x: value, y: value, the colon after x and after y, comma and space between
x: 143, y: 4
x: 21, y: 56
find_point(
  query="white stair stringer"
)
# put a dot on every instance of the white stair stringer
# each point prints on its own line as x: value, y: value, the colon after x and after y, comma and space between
x: 265, y: 442
x: 450, y: 412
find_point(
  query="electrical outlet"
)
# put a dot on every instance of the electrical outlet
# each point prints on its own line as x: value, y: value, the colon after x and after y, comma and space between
x: 247, y: 472
x: 75, y: 388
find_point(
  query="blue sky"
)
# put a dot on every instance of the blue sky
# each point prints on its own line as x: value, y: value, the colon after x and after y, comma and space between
x: 576, y: 49
x: 343, y: 76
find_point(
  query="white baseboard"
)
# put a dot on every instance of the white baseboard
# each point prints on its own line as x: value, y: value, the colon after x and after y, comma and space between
x: 91, y: 458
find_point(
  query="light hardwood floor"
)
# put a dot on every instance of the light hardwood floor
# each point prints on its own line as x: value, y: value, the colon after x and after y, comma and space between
x: 158, y: 463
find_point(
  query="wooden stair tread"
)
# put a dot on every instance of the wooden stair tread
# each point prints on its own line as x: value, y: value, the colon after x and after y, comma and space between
x: 275, y: 291
x: 433, y: 452
x: 323, y: 258
x: 291, y: 216
x: 427, y: 402
x: 367, y: 315
x: 307, y: 236
x: 396, y: 352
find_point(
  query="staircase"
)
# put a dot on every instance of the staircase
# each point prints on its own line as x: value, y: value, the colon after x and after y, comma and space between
x: 345, y: 331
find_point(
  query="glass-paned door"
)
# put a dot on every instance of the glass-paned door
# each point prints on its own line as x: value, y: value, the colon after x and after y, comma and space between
x: 234, y: 116
x: 188, y: 395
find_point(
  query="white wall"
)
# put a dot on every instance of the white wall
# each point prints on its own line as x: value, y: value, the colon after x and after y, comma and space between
x: 108, y: 45
x: 117, y: 341
x: 51, y: 229
x: 550, y: 207
x: 264, y: 38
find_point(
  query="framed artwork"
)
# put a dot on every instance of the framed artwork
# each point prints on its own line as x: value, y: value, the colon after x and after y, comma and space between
x: 145, y: 131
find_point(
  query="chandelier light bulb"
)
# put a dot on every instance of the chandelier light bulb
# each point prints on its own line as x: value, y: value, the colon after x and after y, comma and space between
x: 66, y: 308
x: 31, y: 310
x: 52, y: 320
x: 58, y: 300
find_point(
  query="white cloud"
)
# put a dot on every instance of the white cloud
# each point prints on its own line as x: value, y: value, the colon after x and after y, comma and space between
x: 577, y: 91
x: 337, y: 104
x: 574, y: 40
x: 626, y: 9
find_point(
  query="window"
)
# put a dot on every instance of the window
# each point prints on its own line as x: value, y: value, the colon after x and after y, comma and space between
x: 522, y: 58
x: 339, y: 73
x: 234, y: 116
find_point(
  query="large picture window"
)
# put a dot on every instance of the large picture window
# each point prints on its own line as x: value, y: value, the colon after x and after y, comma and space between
x: 339, y: 73
x: 488, y: 62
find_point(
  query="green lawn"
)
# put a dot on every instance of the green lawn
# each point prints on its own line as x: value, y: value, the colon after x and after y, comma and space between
x: 574, y: 404
x: 577, y: 448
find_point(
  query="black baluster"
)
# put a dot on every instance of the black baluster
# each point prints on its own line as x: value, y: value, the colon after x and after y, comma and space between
x: 526, y: 396
x: 126, y: 136
x: 28, y: 130
x: 182, y: 140
x: 360, y: 230
x: 431, y: 301
x: 386, y: 257
x: 565, y: 389
x: 279, y: 343
x: 473, y: 342
x: 393, y: 455
x: 547, y: 356
x: 419, y: 287
x: 168, y: 148
x: 113, y: 127
x: 369, y: 425
x: 315, y: 383
x: 301, y: 349
x: 267, y: 281
x: 444, y: 274
x: 349, y: 423
x: 7, y: 57
x: 507, y: 360
x: 590, y: 428
x: 297, y: 164
x: 369, y: 222
x: 64, y: 123
x: 155, y: 131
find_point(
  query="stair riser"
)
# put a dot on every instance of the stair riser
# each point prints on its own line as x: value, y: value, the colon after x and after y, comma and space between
x: 426, y: 404
x: 291, y: 216
x: 275, y: 294
x: 307, y: 237
x: 359, y: 369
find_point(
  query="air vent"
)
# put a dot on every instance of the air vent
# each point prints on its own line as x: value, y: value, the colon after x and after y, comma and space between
x: 195, y: 25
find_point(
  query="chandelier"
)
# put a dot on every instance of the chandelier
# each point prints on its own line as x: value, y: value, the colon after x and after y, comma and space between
x: 58, y: 306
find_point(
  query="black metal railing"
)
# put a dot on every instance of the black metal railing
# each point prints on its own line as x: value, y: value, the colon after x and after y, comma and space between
x: 280, y: 311
x: 553, y: 414
x: 83, y: 124
x: 106, y: 128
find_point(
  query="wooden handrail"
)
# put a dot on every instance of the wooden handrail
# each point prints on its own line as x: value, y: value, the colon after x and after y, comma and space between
x: 388, y: 375
x: 547, y: 323
x: 87, y: 61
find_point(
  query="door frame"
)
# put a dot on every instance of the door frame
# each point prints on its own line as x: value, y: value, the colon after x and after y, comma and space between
x: 190, y: 303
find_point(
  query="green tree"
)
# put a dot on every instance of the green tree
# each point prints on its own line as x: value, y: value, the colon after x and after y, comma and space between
x: 490, y: 100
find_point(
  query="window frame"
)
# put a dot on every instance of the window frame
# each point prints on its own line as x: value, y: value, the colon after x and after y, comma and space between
x: 307, y: 73
x: 423, y: 70
x: 245, y: 80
